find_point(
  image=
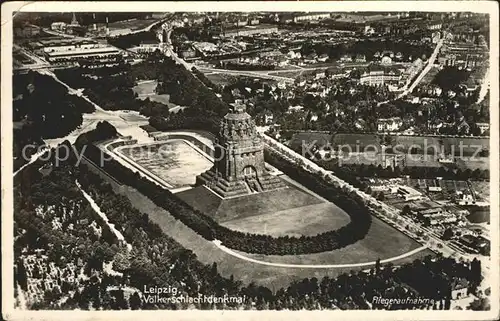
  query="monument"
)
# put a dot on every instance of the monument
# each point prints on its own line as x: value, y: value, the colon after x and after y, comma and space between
x: 239, y: 167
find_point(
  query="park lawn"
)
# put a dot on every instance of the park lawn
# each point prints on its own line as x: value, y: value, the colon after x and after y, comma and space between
x: 147, y: 90
x: 307, y: 220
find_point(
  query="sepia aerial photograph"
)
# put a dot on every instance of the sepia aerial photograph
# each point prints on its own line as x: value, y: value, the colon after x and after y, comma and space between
x: 266, y: 160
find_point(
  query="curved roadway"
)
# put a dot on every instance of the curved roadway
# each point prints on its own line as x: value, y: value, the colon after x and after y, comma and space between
x: 313, y: 266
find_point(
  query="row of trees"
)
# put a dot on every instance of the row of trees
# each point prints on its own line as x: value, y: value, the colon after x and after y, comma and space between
x: 362, y: 170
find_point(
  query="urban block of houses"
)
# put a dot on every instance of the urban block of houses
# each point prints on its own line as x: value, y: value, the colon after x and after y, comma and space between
x: 389, y: 124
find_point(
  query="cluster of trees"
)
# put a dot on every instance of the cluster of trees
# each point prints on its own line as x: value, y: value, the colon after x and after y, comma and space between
x: 449, y: 78
x: 46, y: 105
x: 132, y: 39
x: 112, y: 91
x: 42, y: 108
x: 207, y: 82
x: 362, y: 170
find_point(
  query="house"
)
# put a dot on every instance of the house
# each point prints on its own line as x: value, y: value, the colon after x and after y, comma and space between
x: 323, y: 58
x: 483, y: 127
x: 463, y: 127
x: 459, y: 289
x: 346, y: 58
x: 310, y: 58
x: 434, y: 188
x: 296, y: 108
x: 389, y: 124
x: 320, y: 74
x: 360, y: 58
x: 268, y: 118
x: 386, y: 60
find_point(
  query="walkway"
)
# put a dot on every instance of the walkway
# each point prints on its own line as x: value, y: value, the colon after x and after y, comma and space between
x: 314, y: 266
x: 97, y: 209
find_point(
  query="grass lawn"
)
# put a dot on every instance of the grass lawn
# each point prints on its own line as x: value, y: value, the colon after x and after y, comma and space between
x: 247, y: 205
x: 303, y: 220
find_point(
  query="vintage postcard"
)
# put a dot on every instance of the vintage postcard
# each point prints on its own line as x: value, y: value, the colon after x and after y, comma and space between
x: 250, y: 160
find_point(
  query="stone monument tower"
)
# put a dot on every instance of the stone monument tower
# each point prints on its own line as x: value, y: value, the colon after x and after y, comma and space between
x: 238, y: 158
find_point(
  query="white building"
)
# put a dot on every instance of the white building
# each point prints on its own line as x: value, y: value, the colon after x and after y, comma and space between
x: 483, y: 127
x: 389, y: 124
x: 313, y: 16
x: 58, y: 26
x: 409, y: 194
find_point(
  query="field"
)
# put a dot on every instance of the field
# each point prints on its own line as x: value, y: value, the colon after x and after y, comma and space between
x: 447, y: 144
x: 146, y: 89
x: 307, y: 138
x: 175, y: 161
x: 482, y: 163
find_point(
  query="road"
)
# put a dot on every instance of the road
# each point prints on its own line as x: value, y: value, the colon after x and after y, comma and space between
x: 313, y: 266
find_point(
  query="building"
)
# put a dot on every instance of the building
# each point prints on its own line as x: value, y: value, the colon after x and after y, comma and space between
x: 323, y: 58
x: 249, y: 31
x: 59, y: 26
x: 408, y: 193
x: 379, y: 75
x: 239, y: 158
x: 312, y: 16
x: 268, y: 118
x: 462, y: 54
x: 483, y: 127
x: 147, y: 46
x: 389, y: 124
x: 459, y: 289
x: 360, y: 58
x: 75, y: 53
